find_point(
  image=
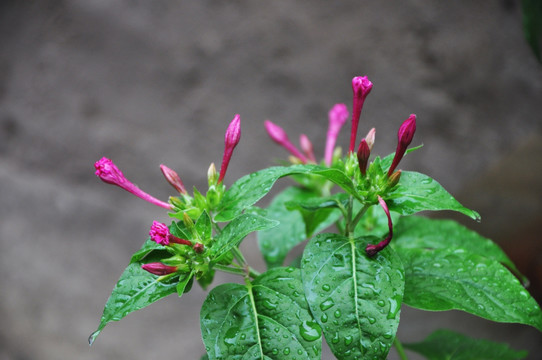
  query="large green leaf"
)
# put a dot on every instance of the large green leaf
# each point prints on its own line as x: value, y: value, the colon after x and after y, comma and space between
x: 268, y: 319
x: 135, y: 290
x: 296, y: 223
x: 236, y: 231
x: 447, y: 279
x: 418, y: 192
x: 355, y: 299
x: 251, y: 188
x: 421, y: 232
x: 449, y: 345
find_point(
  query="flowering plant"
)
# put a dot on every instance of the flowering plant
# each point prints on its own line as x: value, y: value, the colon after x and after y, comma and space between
x: 349, y: 285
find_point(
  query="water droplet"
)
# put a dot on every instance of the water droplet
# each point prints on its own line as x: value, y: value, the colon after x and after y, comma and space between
x: 275, y: 351
x: 269, y: 305
x: 286, y: 351
x: 276, y: 330
x: 394, y: 307
x: 290, y: 269
x: 300, y: 352
x: 372, y: 320
x: 335, y: 338
x: 243, y: 336
x: 348, y: 340
x: 381, y: 303
x: 324, y: 318
x: 437, y: 265
x: 231, y: 335
x: 337, y: 313
x: 326, y: 287
x: 326, y: 304
x: 310, y: 330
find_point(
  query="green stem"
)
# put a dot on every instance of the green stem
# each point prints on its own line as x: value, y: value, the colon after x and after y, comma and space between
x: 359, y: 216
x: 348, y: 219
x: 399, y: 348
x: 239, y: 256
x: 253, y: 273
x: 229, y: 269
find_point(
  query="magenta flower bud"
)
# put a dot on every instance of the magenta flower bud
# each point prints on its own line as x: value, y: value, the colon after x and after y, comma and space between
x: 306, y: 146
x: 405, y: 135
x: 372, y: 250
x: 159, y: 269
x: 161, y: 235
x: 173, y: 178
x: 108, y: 172
x: 231, y: 139
x: 199, y: 248
x: 278, y: 135
x: 337, y: 118
x: 370, y: 138
x: 363, y: 156
x: 361, y: 86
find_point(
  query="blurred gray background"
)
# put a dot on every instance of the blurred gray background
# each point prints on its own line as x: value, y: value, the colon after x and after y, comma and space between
x: 151, y: 82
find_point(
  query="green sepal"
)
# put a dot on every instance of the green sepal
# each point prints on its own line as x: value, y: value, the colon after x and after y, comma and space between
x: 204, y: 228
x: 449, y: 345
x: 185, y: 283
x: 251, y: 188
x: 268, y: 319
x: 355, y: 299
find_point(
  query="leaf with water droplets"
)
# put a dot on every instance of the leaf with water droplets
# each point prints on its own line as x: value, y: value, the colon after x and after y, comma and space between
x: 295, y: 222
x: 236, y: 231
x: 451, y: 279
x: 421, y: 232
x: 250, y: 188
x: 446, y: 344
x: 355, y: 299
x: 418, y: 192
x: 268, y: 319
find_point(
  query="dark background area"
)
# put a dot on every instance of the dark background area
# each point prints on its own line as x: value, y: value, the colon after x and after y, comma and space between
x: 146, y: 83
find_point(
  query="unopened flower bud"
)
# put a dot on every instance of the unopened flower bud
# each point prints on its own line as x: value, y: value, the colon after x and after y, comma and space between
x: 394, y: 179
x: 306, y: 146
x: 231, y: 139
x: 108, y: 172
x: 370, y: 138
x: 173, y: 178
x: 372, y: 250
x: 160, y: 234
x: 361, y: 87
x: 337, y: 118
x: 404, y: 137
x: 199, y: 248
x: 212, y: 175
x: 188, y: 222
x: 363, y: 156
x: 159, y: 269
x: 278, y: 135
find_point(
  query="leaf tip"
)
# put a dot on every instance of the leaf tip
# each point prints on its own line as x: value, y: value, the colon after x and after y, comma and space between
x: 93, y: 337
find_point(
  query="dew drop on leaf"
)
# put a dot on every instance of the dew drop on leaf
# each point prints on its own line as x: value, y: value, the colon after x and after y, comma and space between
x: 326, y: 304
x: 310, y: 331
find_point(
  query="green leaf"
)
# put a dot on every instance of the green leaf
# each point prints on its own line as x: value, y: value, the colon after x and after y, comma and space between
x: 185, y: 283
x: 532, y: 24
x: 268, y: 319
x: 275, y: 243
x: 355, y: 299
x: 449, y: 345
x: 148, y: 247
x: 296, y: 224
x: 236, y: 231
x: 204, y: 227
x: 319, y: 202
x: 418, y: 192
x: 448, y: 279
x: 251, y: 188
x: 135, y: 289
x: 420, y: 232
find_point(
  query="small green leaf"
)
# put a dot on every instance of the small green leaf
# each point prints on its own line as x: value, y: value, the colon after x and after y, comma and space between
x: 185, y: 283
x: 268, y: 319
x: 448, y: 279
x: 236, y: 231
x: 418, y: 192
x: 251, y: 188
x: 148, y: 247
x: 355, y: 299
x: 204, y: 227
x: 135, y: 289
x: 449, y: 345
x: 421, y: 232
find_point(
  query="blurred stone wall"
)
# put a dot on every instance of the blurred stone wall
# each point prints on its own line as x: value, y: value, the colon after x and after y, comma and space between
x: 146, y: 83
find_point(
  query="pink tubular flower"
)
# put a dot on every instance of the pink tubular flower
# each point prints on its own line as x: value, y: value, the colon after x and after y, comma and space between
x: 160, y: 234
x: 337, y: 117
x: 363, y: 156
x: 159, y: 269
x: 173, y: 178
x: 306, y: 146
x: 372, y: 250
x: 405, y: 135
x: 361, y: 86
x: 108, y: 172
x: 278, y: 135
x: 231, y: 139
